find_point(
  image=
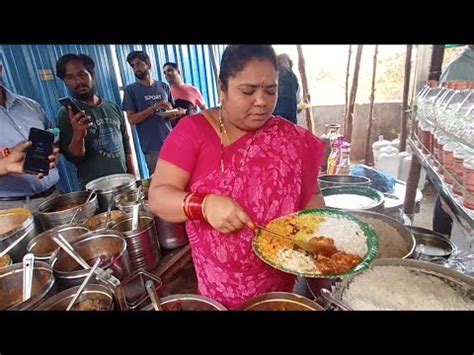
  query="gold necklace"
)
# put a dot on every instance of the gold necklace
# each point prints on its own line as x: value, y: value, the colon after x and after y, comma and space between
x: 223, y: 131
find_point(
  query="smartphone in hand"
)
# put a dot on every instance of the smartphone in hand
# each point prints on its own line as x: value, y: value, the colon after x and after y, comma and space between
x: 67, y: 102
x: 36, y: 159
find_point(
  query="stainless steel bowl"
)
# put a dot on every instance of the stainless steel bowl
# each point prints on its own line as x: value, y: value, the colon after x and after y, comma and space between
x: 94, y: 297
x: 107, y: 187
x: 343, y: 180
x: 460, y: 282
x: 59, y: 210
x: 375, y: 195
x: 280, y: 301
x: 16, y: 224
x: 431, y: 245
x: 43, y: 246
x: 187, y: 302
x: 11, y: 286
x: 110, y: 244
x: 98, y: 221
x: 390, y: 246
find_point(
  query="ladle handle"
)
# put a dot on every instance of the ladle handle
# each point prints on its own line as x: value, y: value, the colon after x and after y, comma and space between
x: 155, y: 300
x: 64, y: 244
x: 28, y: 268
x: 84, y: 283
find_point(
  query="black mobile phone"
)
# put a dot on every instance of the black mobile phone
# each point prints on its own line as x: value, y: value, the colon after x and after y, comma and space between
x: 66, y: 102
x: 36, y: 160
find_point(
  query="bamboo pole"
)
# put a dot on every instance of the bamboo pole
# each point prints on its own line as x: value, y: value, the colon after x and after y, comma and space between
x: 368, y: 151
x: 306, y: 96
x: 355, y: 81
x: 406, y: 89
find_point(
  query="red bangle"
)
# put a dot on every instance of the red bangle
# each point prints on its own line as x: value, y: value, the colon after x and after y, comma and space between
x: 183, y: 204
x: 193, y: 206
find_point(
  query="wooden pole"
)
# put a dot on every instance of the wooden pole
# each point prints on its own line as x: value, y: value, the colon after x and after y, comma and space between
x: 406, y: 89
x: 348, y: 70
x: 437, y: 56
x: 411, y: 187
x: 368, y: 155
x: 215, y: 66
x: 355, y: 81
x: 306, y: 96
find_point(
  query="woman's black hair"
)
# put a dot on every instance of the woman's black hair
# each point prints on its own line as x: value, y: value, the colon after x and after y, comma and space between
x: 84, y: 59
x: 140, y: 55
x: 235, y: 58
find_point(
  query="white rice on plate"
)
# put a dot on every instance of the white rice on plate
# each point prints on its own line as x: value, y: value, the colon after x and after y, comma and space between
x: 398, y: 288
x: 297, y: 260
x: 347, y: 235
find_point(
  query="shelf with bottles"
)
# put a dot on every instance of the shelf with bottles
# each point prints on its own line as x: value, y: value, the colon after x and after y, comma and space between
x: 446, y: 110
x: 449, y: 185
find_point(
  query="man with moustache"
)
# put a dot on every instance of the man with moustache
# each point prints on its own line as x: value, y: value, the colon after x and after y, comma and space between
x: 144, y: 101
x: 94, y: 140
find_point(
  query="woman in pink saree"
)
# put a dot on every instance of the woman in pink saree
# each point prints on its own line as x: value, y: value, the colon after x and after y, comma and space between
x: 244, y: 167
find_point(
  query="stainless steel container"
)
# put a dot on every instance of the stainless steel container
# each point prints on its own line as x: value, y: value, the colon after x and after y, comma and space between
x: 94, y: 297
x: 43, y: 246
x: 11, y: 286
x: 431, y: 245
x: 142, y: 243
x: 280, y: 301
x: 344, y: 204
x: 127, y: 200
x: 16, y: 224
x: 59, y: 210
x: 187, y: 302
x: 108, y: 243
x: 107, y: 187
x: 98, y: 221
x: 461, y: 283
x: 343, y: 180
x: 170, y: 235
x: 391, y: 234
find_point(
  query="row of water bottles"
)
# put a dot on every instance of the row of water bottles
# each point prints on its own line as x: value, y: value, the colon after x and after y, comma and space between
x: 448, y: 106
x: 390, y: 160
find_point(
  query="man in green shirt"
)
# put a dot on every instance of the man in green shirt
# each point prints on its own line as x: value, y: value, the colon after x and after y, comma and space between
x: 462, y: 68
x: 95, y: 140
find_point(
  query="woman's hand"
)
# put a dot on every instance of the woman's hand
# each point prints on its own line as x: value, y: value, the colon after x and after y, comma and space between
x: 226, y: 215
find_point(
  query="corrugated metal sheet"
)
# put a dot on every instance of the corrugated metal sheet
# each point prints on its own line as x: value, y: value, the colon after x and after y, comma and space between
x: 22, y: 64
x: 193, y: 60
x: 195, y: 65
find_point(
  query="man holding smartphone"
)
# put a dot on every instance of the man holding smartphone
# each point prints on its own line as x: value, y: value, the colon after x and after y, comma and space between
x: 143, y: 101
x: 18, y: 114
x: 94, y: 139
